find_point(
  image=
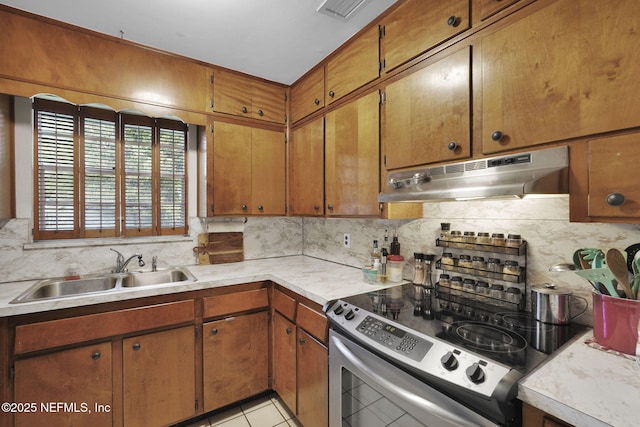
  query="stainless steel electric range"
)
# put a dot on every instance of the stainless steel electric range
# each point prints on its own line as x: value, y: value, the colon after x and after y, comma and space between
x: 443, y: 361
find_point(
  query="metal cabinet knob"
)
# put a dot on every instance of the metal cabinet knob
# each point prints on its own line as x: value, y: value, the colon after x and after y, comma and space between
x: 301, y: 340
x: 316, y: 207
x: 288, y: 331
x: 244, y: 207
x: 260, y: 208
x: 316, y: 101
x: 497, y: 136
x: 332, y: 93
x: 330, y: 207
x: 136, y: 347
x: 96, y: 355
x: 452, y: 146
x: 260, y: 113
x: 615, y: 199
x: 214, y: 331
x: 244, y: 109
x: 453, y: 21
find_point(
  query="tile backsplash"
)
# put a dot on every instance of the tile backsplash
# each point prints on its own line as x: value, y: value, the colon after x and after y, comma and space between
x: 542, y: 222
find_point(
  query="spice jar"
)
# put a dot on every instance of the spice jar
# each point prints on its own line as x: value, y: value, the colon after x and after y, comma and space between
x: 456, y: 285
x: 514, y: 240
x: 469, y: 286
x: 445, y: 280
x: 464, y: 261
x: 513, y: 295
x: 447, y: 259
x: 418, y: 268
x: 482, y: 291
x: 497, y: 294
x: 510, y: 269
x: 456, y: 236
x: 497, y: 239
x: 478, y: 263
x: 483, y: 238
x: 469, y: 237
x: 494, y: 265
x: 445, y: 229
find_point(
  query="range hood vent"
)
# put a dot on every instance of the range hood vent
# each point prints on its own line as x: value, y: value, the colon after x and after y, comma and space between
x: 339, y: 9
x: 537, y: 172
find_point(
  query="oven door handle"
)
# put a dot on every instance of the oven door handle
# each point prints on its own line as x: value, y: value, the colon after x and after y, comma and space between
x: 435, y: 404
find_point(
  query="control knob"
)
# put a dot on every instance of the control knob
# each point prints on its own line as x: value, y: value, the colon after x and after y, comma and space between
x: 339, y: 310
x: 449, y: 361
x: 350, y: 315
x: 475, y: 373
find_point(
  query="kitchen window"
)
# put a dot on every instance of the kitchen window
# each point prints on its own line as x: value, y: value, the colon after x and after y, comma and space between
x: 105, y: 174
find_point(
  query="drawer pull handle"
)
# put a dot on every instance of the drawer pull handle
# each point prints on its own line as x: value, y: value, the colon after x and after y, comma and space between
x: 214, y: 331
x: 136, y: 347
x: 615, y: 199
x: 96, y: 355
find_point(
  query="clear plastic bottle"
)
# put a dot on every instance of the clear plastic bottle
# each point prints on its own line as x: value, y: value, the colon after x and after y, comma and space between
x: 418, y: 268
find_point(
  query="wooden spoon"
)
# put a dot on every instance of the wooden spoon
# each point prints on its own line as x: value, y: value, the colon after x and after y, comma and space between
x: 618, y: 266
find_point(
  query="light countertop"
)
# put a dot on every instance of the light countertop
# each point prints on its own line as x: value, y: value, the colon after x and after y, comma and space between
x: 318, y: 280
x: 586, y: 386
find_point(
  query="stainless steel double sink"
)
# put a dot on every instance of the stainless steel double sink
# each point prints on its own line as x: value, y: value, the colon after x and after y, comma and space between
x: 89, y: 285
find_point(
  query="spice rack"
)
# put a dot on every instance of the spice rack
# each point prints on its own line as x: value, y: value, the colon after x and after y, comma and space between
x: 512, y: 279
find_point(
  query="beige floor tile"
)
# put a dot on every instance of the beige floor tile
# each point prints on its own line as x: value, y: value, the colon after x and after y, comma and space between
x: 235, y: 422
x: 282, y: 408
x: 222, y: 417
x: 265, y: 416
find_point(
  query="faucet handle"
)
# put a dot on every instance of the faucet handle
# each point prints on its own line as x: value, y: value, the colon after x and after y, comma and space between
x: 141, y: 262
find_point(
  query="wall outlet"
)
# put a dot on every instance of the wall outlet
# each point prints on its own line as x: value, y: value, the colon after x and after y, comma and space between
x: 346, y: 240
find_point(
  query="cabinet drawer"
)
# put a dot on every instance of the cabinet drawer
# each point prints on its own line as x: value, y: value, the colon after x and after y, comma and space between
x: 313, y: 322
x: 234, y: 303
x: 54, y: 333
x: 284, y: 304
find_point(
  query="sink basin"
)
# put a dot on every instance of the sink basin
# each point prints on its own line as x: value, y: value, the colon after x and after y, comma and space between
x: 60, y: 288
x: 132, y: 280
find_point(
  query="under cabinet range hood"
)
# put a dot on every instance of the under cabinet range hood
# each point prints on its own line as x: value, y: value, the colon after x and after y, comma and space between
x: 543, y: 171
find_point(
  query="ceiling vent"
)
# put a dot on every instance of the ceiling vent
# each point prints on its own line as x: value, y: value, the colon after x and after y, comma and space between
x: 339, y: 9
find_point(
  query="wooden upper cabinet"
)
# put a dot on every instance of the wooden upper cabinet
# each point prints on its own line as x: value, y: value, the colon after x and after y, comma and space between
x: 307, y: 95
x: 352, y: 158
x: 427, y: 114
x: 356, y: 64
x: 577, y: 76
x: 417, y: 26
x: 244, y: 96
x: 489, y: 8
x: 306, y: 169
x: 248, y: 171
x: 611, y: 192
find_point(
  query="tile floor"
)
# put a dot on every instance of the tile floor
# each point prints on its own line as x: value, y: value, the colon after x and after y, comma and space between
x: 266, y: 411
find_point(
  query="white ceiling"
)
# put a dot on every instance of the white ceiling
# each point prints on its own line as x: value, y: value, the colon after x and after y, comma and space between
x: 278, y: 40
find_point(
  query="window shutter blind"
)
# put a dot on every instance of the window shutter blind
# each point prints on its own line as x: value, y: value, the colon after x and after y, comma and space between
x: 99, y: 147
x: 172, y: 153
x: 55, y: 172
x: 138, y: 178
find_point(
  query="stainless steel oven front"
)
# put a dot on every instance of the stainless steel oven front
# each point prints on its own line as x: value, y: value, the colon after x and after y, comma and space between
x: 365, y: 390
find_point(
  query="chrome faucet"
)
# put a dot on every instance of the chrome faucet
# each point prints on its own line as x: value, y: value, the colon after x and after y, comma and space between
x: 121, y: 264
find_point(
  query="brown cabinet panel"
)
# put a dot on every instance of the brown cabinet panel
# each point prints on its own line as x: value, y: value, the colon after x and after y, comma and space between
x: 427, y: 115
x: 268, y: 179
x: 354, y: 66
x: 236, y: 302
x: 159, y: 377
x: 268, y: 101
x: 306, y: 169
x: 235, y: 359
x: 313, y: 322
x: 80, y: 376
x: 285, y: 304
x: 284, y: 360
x: 313, y: 382
x: 610, y: 160
x: 352, y: 158
x: 307, y: 95
x: 417, y: 26
x: 489, y: 8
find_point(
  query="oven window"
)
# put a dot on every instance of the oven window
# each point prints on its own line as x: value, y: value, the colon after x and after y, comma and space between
x: 362, y: 405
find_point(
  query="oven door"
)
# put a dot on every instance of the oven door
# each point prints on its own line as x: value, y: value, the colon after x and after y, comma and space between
x: 365, y: 390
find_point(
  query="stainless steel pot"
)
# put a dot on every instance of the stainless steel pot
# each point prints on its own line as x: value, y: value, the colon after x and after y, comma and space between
x: 551, y: 305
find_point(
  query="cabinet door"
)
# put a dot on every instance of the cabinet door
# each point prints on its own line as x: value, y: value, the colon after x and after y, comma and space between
x: 231, y: 169
x: 489, y: 8
x: 159, y: 377
x: 307, y: 95
x: 267, y: 172
x: 284, y: 360
x: 267, y: 102
x: 419, y: 25
x: 232, y: 93
x: 531, y: 96
x: 354, y: 66
x: 235, y: 359
x: 427, y: 115
x: 306, y: 169
x: 80, y: 376
x: 611, y: 160
x: 352, y: 158
x: 313, y: 381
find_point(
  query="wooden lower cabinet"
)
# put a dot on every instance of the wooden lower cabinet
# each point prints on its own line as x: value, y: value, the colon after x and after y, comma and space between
x: 534, y: 417
x: 80, y: 378
x: 313, y: 387
x: 159, y: 377
x: 235, y: 359
x: 284, y: 360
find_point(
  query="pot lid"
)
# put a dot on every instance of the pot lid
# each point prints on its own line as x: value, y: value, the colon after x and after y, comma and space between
x: 551, y: 289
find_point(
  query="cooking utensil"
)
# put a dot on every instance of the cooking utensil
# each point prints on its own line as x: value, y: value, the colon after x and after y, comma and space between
x: 618, y: 266
x: 632, y: 251
x: 577, y: 259
x: 601, y: 275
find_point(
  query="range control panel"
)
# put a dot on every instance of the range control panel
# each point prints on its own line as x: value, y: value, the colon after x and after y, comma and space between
x: 394, y: 338
x: 431, y: 355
